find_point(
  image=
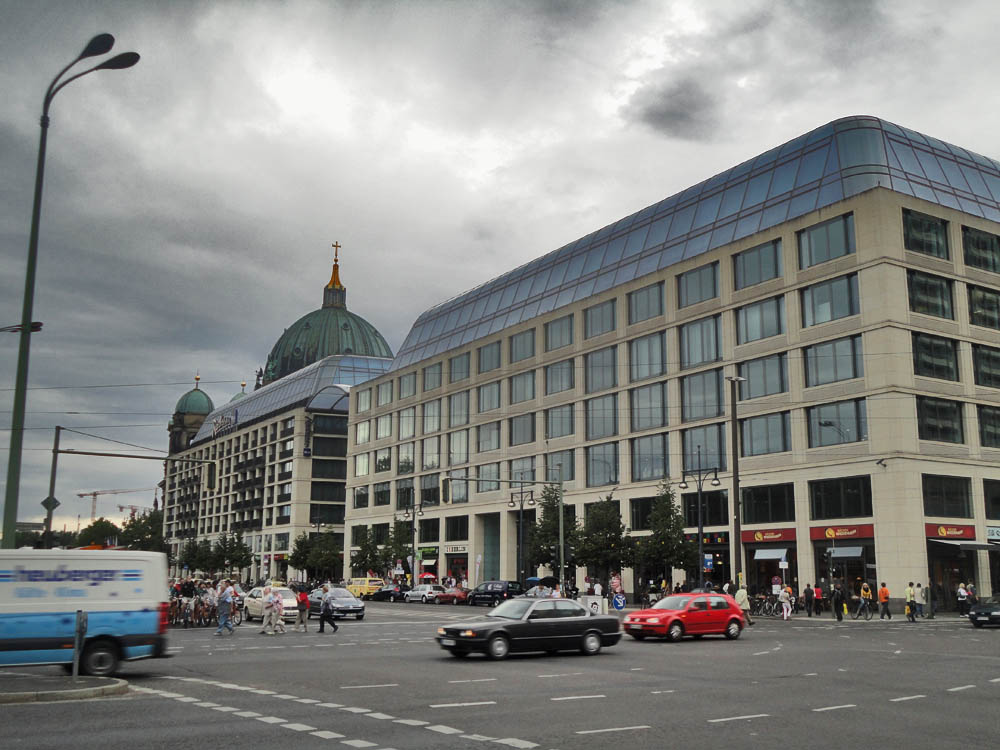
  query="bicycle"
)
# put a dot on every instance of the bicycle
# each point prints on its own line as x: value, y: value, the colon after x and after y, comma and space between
x: 864, y: 608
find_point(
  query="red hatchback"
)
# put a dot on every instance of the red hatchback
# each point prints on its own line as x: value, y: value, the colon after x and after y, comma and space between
x: 454, y: 595
x: 678, y: 615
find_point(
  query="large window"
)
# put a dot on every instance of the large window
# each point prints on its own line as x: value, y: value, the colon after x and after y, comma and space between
x: 986, y: 364
x: 432, y: 416
x: 649, y: 406
x: 383, y: 394
x: 458, y: 368
x: 599, y: 319
x: 935, y: 357
x: 601, y: 369
x: 710, y: 442
x: 429, y: 530
x: 982, y: 249
x: 830, y: 300
x: 947, y: 496
x: 404, y: 458
x: 764, y: 376
x: 559, y: 421
x: 559, y: 333
x: 701, y: 341
x: 430, y: 489
x: 381, y: 493
x: 930, y: 295
x: 456, y: 528
x: 362, y: 432
x: 489, y: 357
x: 698, y: 285
x: 458, y: 409
x: 559, y: 377
x: 489, y: 396
x: 361, y: 464
x: 522, y: 429
x: 757, y: 264
x: 650, y: 459
x: 645, y: 303
x: 847, y: 497
x: 459, y: 489
x: 701, y: 396
x: 939, y: 419
x: 835, y: 424
x: 647, y: 356
x: 774, y: 503
x: 602, y: 464
x: 714, y: 508
x: 641, y: 508
x: 432, y: 377
x: 760, y: 320
x: 487, y: 476
x: 768, y: 433
x: 407, y: 384
x: 364, y: 400
x: 822, y: 242
x: 984, y: 307
x: 831, y: 361
x: 430, y: 453
x: 991, y: 491
x: 458, y: 448
x: 925, y: 234
x: 383, y: 459
x: 523, y: 469
x: 407, y: 422
x: 602, y: 417
x: 522, y: 345
x: 559, y: 465
x: 404, y: 494
x: 383, y: 426
x: 989, y: 426
x: 488, y: 437
x: 522, y: 387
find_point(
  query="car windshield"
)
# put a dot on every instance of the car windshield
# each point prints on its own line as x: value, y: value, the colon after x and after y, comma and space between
x: 993, y: 601
x: 672, y: 602
x: 512, y: 609
x: 285, y: 593
x: 342, y: 594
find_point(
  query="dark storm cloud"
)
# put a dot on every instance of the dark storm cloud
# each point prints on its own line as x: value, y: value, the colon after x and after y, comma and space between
x: 683, y: 108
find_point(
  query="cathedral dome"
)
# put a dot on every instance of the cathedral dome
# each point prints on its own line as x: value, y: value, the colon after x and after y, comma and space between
x: 195, y: 401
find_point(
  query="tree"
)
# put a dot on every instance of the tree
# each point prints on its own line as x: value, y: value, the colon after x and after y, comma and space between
x: 543, y: 539
x: 144, y: 532
x: 666, y: 547
x: 603, y: 543
x: 301, y: 549
x: 398, y: 547
x: 188, y: 557
x: 368, y: 555
x: 102, y: 531
x: 240, y: 554
x: 204, y: 557
x: 324, y: 555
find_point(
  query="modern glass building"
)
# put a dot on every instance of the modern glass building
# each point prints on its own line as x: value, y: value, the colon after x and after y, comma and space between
x: 851, y: 277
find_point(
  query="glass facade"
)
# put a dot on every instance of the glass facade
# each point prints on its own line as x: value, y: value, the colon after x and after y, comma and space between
x: 986, y: 363
x: 559, y: 421
x: 602, y: 464
x: 930, y: 295
x: 834, y: 424
x: 698, y: 285
x: 522, y: 387
x: 701, y: 341
x: 760, y: 320
x: 940, y: 419
x: 559, y: 333
x: 601, y: 369
x: 984, y: 307
x: 758, y: 264
x: 522, y: 345
x: 458, y: 368
x: 982, y: 249
x: 847, y: 497
x: 830, y: 300
x: 489, y: 396
x: 947, y: 496
x: 709, y: 443
x: 935, y: 357
x: 925, y: 234
x: 647, y: 356
x: 768, y: 433
x: 650, y: 458
x: 701, y: 396
x: 559, y: 377
x: 649, y: 407
x: 602, y: 417
x: 831, y: 361
x: 599, y: 319
x: 645, y: 303
x: 822, y: 242
x: 488, y: 357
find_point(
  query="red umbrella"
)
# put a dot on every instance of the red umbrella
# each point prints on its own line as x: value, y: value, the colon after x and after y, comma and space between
x: 426, y: 576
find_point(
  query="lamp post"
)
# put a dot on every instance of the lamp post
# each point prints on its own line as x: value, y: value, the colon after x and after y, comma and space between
x: 99, y: 45
x: 700, y: 475
x: 735, y: 447
x: 412, y: 511
x: 523, y: 496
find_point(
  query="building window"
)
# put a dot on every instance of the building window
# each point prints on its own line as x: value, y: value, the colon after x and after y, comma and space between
x: 826, y: 241
x: 364, y: 400
x: 650, y: 459
x: 764, y: 376
x: 701, y: 396
x: 758, y: 264
x: 982, y: 249
x: 407, y: 422
x: 432, y: 416
x: 431, y: 457
x: 989, y: 426
x: 559, y: 333
x: 458, y: 409
x: 830, y: 300
x: 488, y: 437
x: 645, y: 303
x: 930, y: 295
x: 714, y: 508
x: 599, y: 319
x: 383, y: 426
x: 710, y: 442
x: 640, y: 509
x: 939, y: 419
x: 458, y: 368
x: 522, y: 387
x: 407, y: 384
x: 404, y: 494
x: 847, y: 497
x: 459, y: 488
x: 835, y: 424
x: 991, y: 492
x: 700, y: 342
x: 456, y: 528
x: 768, y: 433
x: 522, y: 429
x: 487, y: 477
x: 602, y: 464
x: 430, y: 489
x: 647, y: 356
x: 698, y: 285
x: 361, y: 467
x: 986, y: 364
x: 458, y: 448
x: 935, y: 357
x: 832, y: 361
x: 362, y: 433
x: 559, y: 421
x: 522, y: 345
x: 602, y: 417
x: 361, y: 497
x: 760, y: 320
x: 948, y: 497
x: 560, y: 465
x: 429, y: 530
x: 383, y: 459
x: 925, y: 234
x: 384, y: 393
x: 381, y: 493
x: 773, y: 503
x: 559, y: 377
x: 648, y: 407
x: 432, y: 377
x: 489, y: 397
x: 380, y: 533
x: 404, y: 458
x: 489, y: 357
x: 523, y: 469
x: 984, y: 307
x: 601, y: 369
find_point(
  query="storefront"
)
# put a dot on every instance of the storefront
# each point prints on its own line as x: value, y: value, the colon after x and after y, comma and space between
x: 951, y: 558
x: 428, y: 557
x: 844, y: 554
x: 456, y: 561
x: 715, y: 545
x: 772, y: 559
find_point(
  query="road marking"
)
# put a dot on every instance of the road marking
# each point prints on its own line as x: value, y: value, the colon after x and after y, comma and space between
x: 411, y: 722
x: 358, y: 743
x: 298, y: 727
x: 330, y: 705
x: 995, y: 679
x: 272, y: 720
x: 898, y: 651
x: 636, y: 669
x: 186, y: 699
x: 565, y: 674
x: 761, y: 653
x: 206, y: 704
x: 247, y: 714
x: 810, y: 674
x: 577, y: 697
x: 906, y: 698
x: 225, y: 709
x: 484, y: 679
x: 172, y: 695
x: 660, y: 692
x: 836, y: 708
x: 265, y: 692
x: 514, y: 742
x: 459, y: 705
x: 286, y: 697
x: 613, y: 729
x: 306, y: 700
x: 355, y: 709
x: 477, y: 737
x: 324, y: 734
x: 376, y: 715
x: 738, y: 718
x: 363, y: 687
x: 443, y: 729
x: 960, y: 687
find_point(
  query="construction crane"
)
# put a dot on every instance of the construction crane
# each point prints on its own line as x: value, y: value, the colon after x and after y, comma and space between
x: 133, y: 509
x: 93, y: 497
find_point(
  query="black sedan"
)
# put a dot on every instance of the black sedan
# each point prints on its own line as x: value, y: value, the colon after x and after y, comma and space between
x: 393, y: 592
x: 548, y: 625
x: 344, y: 603
x: 985, y: 612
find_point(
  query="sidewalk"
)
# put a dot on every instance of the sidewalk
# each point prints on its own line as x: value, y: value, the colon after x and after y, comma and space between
x: 28, y: 687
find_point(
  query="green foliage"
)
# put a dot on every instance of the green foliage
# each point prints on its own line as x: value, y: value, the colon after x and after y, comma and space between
x: 367, y: 556
x: 665, y: 547
x: 604, y: 544
x: 144, y: 532
x: 398, y: 547
x: 301, y: 549
x: 324, y: 555
x: 542, y: 543
x: 240, y: 554
x: 102, y: 531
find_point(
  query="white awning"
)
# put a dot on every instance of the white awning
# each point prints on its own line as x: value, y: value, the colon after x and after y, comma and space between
x: 965, y: 545
x: 846, y: 552
x: 770, y: 554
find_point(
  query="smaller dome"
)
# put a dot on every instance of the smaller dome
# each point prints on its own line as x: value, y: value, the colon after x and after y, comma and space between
x: 195, y: 401
x: 241, y: 394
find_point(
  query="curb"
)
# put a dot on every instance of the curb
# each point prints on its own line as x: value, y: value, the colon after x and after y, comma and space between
x: 113, y: 687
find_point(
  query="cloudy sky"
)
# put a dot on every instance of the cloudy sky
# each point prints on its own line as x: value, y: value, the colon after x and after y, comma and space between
x: 190, y: 202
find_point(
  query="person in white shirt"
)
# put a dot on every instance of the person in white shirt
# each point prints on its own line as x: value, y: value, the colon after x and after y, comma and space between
x: 268, y: 609
x: 598, y: 590
x: 786, y: 604
x: 743, y: 600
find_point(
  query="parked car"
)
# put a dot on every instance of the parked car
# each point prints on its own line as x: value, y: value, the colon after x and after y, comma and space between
x: 549, y: 625
x: 494, y: 592
x: 345, y: 604
x: 678, y: 615
x: 424, y: 592
x: 454, y: 595
x: 985, y: 612
x: 392, y: 592
x: 364, y: 587
x: 253, y: 604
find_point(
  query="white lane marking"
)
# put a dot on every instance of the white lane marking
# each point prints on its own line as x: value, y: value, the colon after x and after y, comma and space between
x: 310, y: 646
x: 514, y: 742
x: 247, y: 714
x: 960, y: 687
x: 565, y: 674
x: 459, y: 705
x: 660, y: 692
x: 810, y: 674
x: 265, y: 692
x: 186, y: 699
x: 906, y: 698
x: 738, y: 718
x: 226, y: 709
x: 898, y: 651
x: 324, y: 734
x: 272, y: 720
x: 411, y: 722
x: 170, y: 695
x: 376, y: 715
x: 484, y: 679
x: 761, y: 653
x: 613, y: 729
x: 363, y: 687
x: 355, y: 709
x: 637, y: 669
x: 478, y: 737
x: 298, y: 727
x: 306, y: 700
x: 836, y: 708
x: 358, y: 743
x: 443, y: 729
x: 995, y: 679
x: 577, y: 697
x: 286, y: 697
x: 330, y: 705
x: 206, y: 704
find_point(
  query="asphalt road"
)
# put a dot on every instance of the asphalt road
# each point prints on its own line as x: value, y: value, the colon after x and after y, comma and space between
x: 384, y: 683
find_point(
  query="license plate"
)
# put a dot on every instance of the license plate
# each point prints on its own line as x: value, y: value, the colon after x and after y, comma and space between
x: 447, y: 641
x: 636, y: 627
x: 983, y: 617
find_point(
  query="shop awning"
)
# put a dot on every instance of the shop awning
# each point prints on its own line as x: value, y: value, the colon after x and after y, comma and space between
x: 965, y: 545
x: 770, y: 554
x: 846, y: 552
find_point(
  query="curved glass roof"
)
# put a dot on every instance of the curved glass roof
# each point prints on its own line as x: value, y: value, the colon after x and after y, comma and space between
x: 295, y: 389
x: 826, y: 165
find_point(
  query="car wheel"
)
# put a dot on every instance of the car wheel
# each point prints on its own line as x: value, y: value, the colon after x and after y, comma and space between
x: 638, y: 636
x: 976, y: 624
x: 733, y: 630
x: 423, y: 600
x: 246, y: 615
x: 498, y: 647
x: 455, y: 600
x: 496, y: 601
x: 100, y: 659
x: 675, y: 632
x: 591, y: 644
x: 359, y: 617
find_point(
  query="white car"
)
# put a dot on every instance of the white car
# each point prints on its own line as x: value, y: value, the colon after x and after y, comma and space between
x: 253, y: 604
x: 425, y: 592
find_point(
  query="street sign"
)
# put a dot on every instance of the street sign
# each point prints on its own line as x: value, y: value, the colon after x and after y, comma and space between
x: 783, y: 564
x: 618, y: 601
x: 50, y: 503
x: 709, y: 562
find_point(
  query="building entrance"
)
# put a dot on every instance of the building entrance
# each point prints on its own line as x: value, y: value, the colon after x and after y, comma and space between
x: 949, y: 566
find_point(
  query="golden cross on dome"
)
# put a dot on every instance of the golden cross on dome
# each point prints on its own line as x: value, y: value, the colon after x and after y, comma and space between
x: 336, y: 249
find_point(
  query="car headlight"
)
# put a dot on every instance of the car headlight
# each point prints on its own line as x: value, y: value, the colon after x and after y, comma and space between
x: 628, y: 619
x: 996, y: 613
x: 441, y: 631
x: 653, y: 620
x: 468, y: 633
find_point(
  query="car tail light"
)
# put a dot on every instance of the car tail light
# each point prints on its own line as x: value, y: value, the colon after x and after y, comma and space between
x: 164, y: 619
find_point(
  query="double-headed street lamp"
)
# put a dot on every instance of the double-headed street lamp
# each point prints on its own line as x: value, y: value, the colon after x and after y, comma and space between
x: 734, y: 441
x: 523, y: 496
x: 99, y: 45
x: 411, y: 513
x: 700, y: 475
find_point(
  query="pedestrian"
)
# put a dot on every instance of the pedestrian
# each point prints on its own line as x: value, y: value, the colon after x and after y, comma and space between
x: 326, y: 610
x: 224, y: 607
x: 809, y: 596
x: 922, y: 594
x: 268, y: 609
x: 910, y: 594
x: 598, y: 590
x: 866, y: 596
x: 839, y: 602
x: 962, y: 594
x: 883, y: 602
x: 555, y: 593
x: 302, y: 604
x: 786, y: 603
x: 278, y: 613
x: 818, y: 591
x: 971, y: 589
x: 743, y: 600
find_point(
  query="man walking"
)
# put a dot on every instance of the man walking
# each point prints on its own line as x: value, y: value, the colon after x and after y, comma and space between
x: 744, y: 601
x: 224, y: 606
x: 911, y: 602
x: 839, y: 601
x: 883, y: 602
x: 265, y: 617
x: 808, y: 596
x: 326, y: 611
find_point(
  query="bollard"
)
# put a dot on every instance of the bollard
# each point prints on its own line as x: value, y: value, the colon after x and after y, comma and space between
x: 78, y: 639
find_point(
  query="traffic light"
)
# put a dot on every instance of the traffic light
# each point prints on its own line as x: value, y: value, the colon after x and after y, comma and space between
x: 445, y: 489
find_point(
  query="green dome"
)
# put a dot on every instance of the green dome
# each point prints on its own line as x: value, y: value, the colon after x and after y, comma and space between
x: 195, y: 401
x: 238, y: 396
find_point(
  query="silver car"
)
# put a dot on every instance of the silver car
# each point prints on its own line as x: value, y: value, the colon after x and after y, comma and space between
x: 425, y: 592
x: 253, y: 604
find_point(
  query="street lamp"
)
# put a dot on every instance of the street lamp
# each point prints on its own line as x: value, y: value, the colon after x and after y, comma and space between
x: 411, y: 512
x: 99, y: 45
x: 523, y: 496
x: 700, y: 475
x: 735, y: 443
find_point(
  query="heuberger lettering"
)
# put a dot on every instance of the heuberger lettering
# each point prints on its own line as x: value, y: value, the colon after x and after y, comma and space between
x: 62, y: 574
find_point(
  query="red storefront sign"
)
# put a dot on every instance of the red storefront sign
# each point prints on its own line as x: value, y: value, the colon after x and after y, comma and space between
x: 949, y: 531
x: 861, y: 531
x: 768, y: 535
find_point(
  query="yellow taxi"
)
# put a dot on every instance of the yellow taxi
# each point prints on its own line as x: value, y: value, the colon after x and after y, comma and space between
x: 363, y: 588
